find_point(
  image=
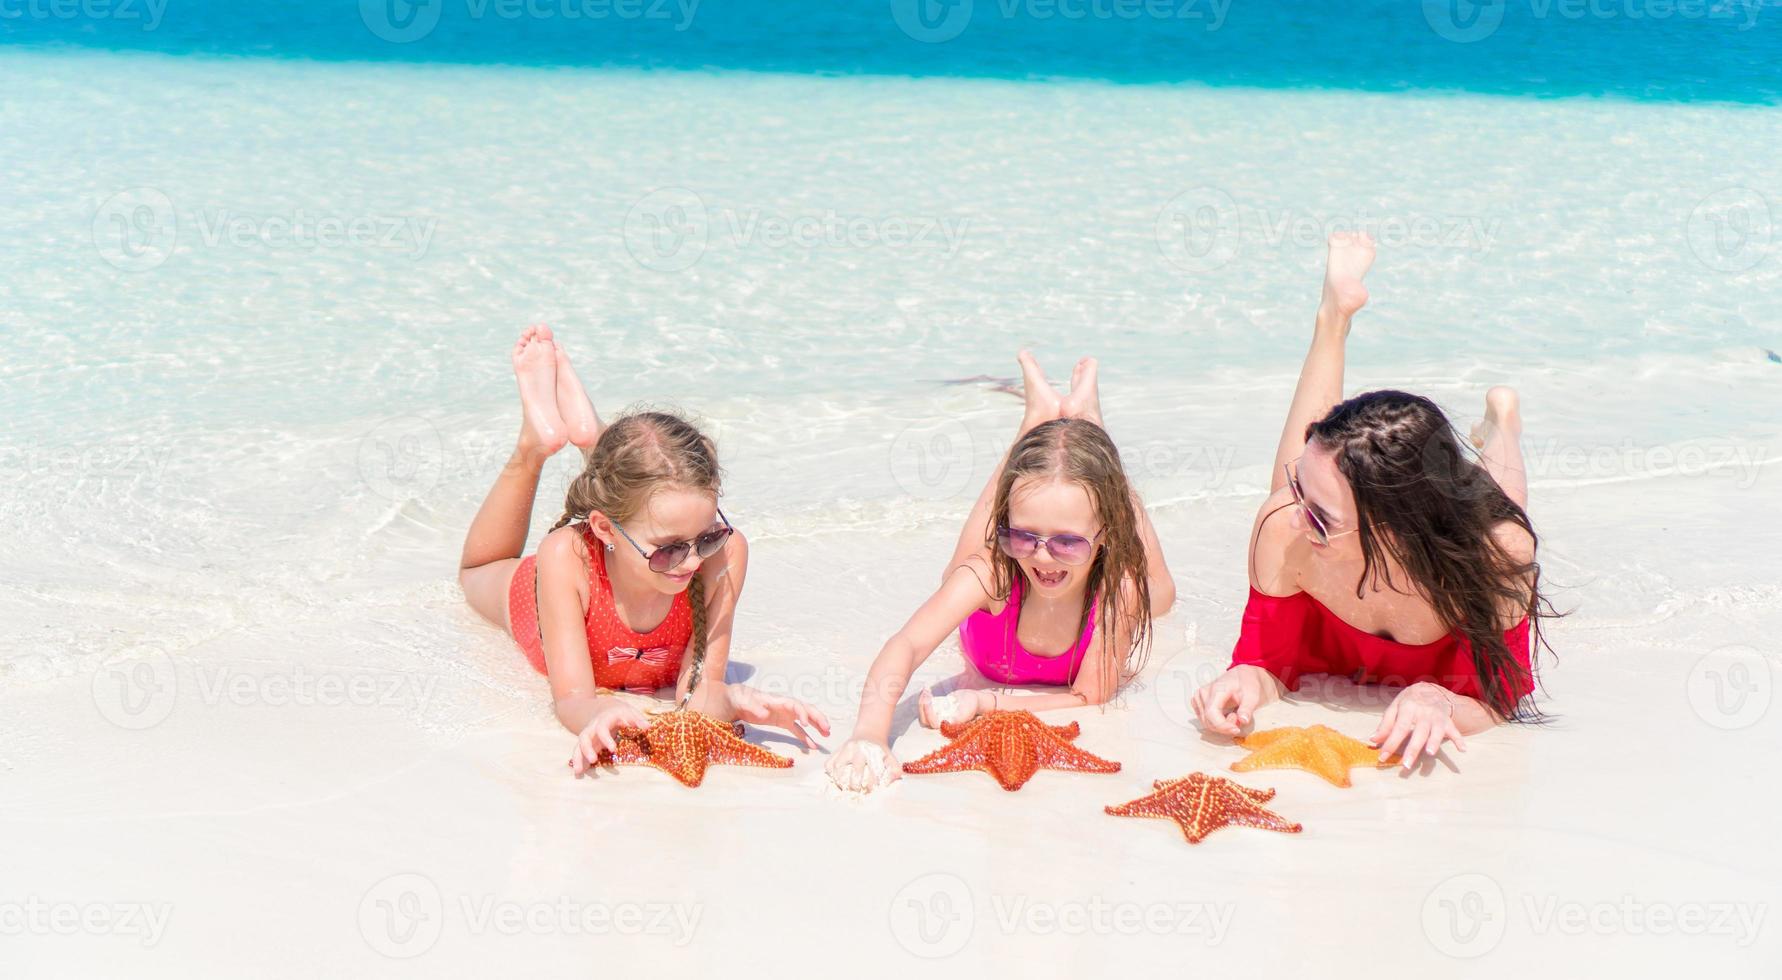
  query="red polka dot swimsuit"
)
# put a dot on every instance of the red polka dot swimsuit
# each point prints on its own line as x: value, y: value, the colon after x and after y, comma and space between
x: 622, y: 657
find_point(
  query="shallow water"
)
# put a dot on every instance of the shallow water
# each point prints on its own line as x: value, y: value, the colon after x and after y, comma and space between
x: 200, y: 402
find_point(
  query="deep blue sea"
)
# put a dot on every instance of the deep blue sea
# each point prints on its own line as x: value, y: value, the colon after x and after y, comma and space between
x: 1673, y: 50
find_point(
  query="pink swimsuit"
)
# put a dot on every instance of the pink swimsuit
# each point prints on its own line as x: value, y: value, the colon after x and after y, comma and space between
x: 990, y: 643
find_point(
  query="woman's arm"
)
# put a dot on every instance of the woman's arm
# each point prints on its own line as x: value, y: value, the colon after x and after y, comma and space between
x: 1425, y: 715
x: 1321, y: 377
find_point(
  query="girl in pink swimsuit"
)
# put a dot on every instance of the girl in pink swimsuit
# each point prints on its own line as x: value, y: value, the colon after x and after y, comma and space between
x: 1054, y: 583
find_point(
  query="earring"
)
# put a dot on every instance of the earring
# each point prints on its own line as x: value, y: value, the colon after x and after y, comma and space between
x: 609, y: 546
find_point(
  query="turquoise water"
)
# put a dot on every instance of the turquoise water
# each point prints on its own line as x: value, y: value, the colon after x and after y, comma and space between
x: 1683, y: 50
x: 265, y: 268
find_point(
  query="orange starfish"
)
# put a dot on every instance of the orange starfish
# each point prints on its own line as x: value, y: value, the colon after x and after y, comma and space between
x: 682, y: 743
x: 1318, y: 749
x: 1201, y: 804
x: 1010, y: 745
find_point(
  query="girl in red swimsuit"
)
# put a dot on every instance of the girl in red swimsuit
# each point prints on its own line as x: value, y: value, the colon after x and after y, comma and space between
x: 1388, y: 554
x: 641, y: 541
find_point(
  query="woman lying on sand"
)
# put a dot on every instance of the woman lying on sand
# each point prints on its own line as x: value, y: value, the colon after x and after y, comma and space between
x: 648, y: 545
x: 1054, y: 582
x: 1400, y: 559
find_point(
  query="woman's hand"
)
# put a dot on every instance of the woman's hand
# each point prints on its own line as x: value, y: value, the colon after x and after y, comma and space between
x: 1228, y: 703
x: 1420, y: 719
x: 958, y: 707
x: 598, y: 734
x: 775, y: 711
x: 862, y: 765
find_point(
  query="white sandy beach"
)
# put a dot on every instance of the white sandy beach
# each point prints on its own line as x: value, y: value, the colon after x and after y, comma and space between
x: 248, y: 726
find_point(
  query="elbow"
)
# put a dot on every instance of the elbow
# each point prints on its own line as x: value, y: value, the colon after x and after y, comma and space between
x: 890, y: 673
x: 1094, y: 695
x: 1163, y: 598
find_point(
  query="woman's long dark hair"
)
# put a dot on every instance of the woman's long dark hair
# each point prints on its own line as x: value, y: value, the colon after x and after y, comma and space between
x: 1439, y: 508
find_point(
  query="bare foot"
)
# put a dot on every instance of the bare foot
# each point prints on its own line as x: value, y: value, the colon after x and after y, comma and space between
x: 1351, y: 255
x: 1503, y: 416
x: 1043, y: 403
x: 542, y: 431
x: 581, y: 421
x: 1084, y: 400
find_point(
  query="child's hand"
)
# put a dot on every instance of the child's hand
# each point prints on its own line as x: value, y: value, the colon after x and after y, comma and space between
x: 775, y: 711
x: 862, y: 765
x: 1420, y: 719
x: 958, y: 707
x: 1228, y: 702
x: 611, y: 714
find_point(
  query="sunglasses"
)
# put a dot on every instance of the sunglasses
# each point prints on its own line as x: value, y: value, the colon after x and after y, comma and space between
x: 669, y: 557
x: 1312, y: 519
x: 1069, y: 549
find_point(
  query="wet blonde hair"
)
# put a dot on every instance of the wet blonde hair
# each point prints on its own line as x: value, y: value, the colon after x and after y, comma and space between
x: 1080, y: 452
x: 636, y: 457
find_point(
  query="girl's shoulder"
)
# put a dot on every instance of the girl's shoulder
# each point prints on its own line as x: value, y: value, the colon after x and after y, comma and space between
x: 973, y: 576
x: 563, y: 556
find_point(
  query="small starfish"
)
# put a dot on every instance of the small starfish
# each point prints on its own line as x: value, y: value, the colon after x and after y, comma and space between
x: 682, y: 743
x: 1201, y: 804
x: 1010, y: 745
x: 1317, y: 749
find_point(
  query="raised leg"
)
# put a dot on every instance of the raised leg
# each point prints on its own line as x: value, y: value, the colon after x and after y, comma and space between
x: 582, y: 422
x: 1498, y: 437
x: 1084, y: 400
x: 1042, y: 405
x: 1321, y: 377
x: 497, y: 535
